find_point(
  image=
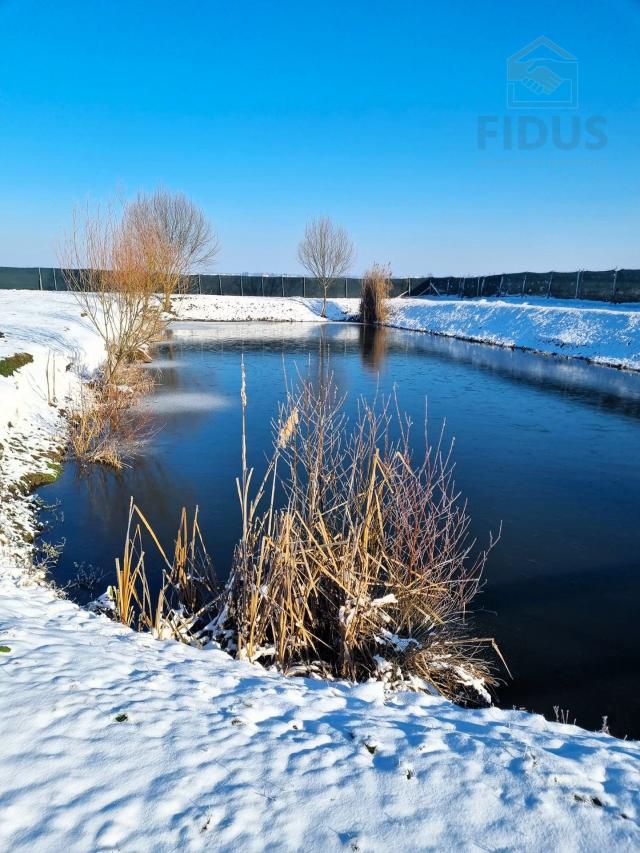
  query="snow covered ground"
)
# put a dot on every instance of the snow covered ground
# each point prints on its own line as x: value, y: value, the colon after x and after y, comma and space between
x: 114, y: 741
x: 49, y: 328
x: 217, y: 754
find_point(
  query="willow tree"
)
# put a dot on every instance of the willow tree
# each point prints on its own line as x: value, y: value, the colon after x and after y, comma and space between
x: 177, y: 237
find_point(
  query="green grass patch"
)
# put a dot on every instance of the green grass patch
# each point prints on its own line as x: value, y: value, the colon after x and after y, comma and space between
x: 5, y: 649
x: 11, y: 363
x: 41, y: 478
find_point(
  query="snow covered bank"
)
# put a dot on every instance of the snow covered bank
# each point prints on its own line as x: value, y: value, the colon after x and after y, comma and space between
x: 114, y: 741
x: 602, y: 334
x: 50, y: 329
x: 605, y: 334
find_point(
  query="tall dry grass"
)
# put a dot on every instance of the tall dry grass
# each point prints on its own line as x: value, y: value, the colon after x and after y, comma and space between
x: 376, y: 286
x: 187, y: 587
x: 103, y: 425
x: 368, y: 569
x: 355, y: 559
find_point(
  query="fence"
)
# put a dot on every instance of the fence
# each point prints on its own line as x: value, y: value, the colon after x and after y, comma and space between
x: 620, y: 285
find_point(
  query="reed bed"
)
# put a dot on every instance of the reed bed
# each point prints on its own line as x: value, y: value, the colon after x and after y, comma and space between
x: 104, y: 426
x: 355, y: 560
x: 188, y: 588
x: 376, y: 286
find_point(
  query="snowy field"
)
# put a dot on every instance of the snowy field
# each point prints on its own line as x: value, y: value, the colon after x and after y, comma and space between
x: 114, y: 741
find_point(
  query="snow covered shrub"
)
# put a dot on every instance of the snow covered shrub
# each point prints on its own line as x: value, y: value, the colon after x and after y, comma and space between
x: 367, y: 570
x: 376, y: 285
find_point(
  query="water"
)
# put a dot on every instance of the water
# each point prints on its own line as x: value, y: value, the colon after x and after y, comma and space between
x: 549, y: 448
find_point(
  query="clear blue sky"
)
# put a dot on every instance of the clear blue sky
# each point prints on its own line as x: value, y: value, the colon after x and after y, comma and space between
x: 268, y: 113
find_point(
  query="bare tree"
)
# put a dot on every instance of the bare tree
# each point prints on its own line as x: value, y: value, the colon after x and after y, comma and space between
x: 177, y: 237
x: 106, y: 266
x: 326, y: 251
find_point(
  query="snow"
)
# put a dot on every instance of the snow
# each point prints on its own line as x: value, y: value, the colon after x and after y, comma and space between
x: 212, y: 753
x: 218, y: 754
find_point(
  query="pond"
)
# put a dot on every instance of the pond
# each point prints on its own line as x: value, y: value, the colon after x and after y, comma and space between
x: 549, y: 448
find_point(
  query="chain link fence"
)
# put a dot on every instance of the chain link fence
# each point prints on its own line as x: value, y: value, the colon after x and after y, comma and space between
x: 619, y: 285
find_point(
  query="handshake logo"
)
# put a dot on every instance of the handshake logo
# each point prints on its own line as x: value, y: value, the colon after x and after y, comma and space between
x: 542, y: 74
x: 542, y: 90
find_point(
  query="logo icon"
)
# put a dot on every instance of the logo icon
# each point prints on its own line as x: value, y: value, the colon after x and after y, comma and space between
x: 542, y: 75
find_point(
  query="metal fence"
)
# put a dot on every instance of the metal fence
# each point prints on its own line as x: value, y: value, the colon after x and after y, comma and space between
x: 620, y: 285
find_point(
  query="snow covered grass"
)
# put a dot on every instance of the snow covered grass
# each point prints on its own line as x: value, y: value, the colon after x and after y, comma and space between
x: 114, y: 740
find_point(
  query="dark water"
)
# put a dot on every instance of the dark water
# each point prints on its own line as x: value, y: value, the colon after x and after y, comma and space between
x: 550, y: 448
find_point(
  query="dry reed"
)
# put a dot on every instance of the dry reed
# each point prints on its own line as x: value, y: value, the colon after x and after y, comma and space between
x: 354, y: 562
x: 376, y: 286
x: 368, y: 569
x: 187, y: 589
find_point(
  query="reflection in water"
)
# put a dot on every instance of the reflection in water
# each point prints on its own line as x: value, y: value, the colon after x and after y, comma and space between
x: 550, y: 447
x: 373, y: 346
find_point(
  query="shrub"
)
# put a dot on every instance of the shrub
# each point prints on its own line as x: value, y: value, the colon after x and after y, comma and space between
x: 107, y: 266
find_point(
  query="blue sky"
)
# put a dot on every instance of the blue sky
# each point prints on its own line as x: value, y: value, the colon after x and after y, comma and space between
x: 268, y: 113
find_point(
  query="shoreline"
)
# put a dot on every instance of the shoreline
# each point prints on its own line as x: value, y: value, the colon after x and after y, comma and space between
x: 207, y: 741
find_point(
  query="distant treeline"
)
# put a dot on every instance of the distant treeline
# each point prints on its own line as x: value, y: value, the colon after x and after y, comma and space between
x: 605, y: 285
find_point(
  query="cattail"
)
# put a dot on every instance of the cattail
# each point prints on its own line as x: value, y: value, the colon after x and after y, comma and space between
x: 288, y: 428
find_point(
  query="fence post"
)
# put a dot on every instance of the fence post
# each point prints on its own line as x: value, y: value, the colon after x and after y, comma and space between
x: 199, y: 285
x: 577, y: 284
x: 464, y: 281
x: 478, y: 287
x: 220, y: 283
x: 55, y: 283
x: 549, y: 288
x: 409, y: 289
x: 262, y: 284
x: 482, y: 286
x: 500, y: 285
x: 40, y: 278
x: 613, y: 289
x: 304, y: 286
x: 524, y: 282
x: 282, y: 283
